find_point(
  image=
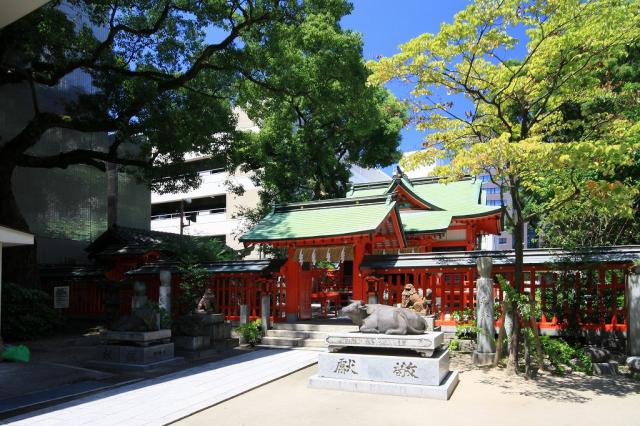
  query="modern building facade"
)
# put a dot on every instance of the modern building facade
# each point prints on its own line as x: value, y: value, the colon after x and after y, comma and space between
x: 504, y: 240
x: 67, y: 208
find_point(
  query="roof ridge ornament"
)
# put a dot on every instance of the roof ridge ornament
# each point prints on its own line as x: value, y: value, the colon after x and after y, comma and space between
x: 399, y: 175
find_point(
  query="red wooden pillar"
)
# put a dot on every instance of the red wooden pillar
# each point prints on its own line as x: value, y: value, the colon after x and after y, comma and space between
x: 359, y: 285
x: 292, y: 282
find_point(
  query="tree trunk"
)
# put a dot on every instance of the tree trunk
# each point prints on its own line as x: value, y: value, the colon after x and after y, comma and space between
x: 502, y: 334
x: 536, y: 335
x: 19, y: 264
x: 518, y: 236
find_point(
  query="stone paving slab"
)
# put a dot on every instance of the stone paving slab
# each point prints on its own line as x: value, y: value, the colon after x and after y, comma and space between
x: 169, y: 398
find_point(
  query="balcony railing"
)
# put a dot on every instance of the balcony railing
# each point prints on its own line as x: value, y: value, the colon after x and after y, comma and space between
x: 197, y: 212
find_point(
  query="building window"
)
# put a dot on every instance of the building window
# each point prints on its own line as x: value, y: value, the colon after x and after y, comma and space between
x: 492, y: 190
x: 494, y: 203
x: 213, y: 204
x: 485, y: 178
x: 502, y: 240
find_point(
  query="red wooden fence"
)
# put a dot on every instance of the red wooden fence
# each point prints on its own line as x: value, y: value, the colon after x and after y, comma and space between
x: 589, y: 297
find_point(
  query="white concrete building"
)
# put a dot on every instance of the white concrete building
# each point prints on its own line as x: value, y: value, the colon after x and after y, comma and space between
x: 504, y: 241
x: 212, y: 210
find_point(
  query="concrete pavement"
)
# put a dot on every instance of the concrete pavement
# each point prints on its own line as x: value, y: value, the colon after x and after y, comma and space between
x: 168, y: 398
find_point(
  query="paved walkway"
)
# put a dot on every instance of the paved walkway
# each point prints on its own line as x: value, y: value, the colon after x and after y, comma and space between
x: 168, y: 398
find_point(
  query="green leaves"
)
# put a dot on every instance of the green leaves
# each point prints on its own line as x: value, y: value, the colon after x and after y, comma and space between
x: 168, y: 75
x: 538, y: 125
x: 318, y: 114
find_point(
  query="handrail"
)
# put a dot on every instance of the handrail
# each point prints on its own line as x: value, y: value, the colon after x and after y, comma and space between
x: 198, y: 212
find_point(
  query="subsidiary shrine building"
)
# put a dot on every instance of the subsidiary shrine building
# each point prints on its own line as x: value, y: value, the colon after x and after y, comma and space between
x: 382, y: 218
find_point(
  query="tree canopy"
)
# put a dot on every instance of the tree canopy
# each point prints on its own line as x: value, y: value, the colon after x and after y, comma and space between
x: 165, y: 87
x: 488, y: 110
x: 167, y: 75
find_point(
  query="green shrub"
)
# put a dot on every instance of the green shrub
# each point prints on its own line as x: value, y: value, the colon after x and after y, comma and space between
x: 454, y: 345
x: 27, y: 313
x: 467, y: 331
x: 561, y: 354
x: 251, y: 331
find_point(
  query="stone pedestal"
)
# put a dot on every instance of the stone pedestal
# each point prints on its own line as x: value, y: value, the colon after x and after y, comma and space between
x: 135, y: 350
x: 380, y: 368
x: 423, y: 344
x: 486, y: 349
x: 215, y: 338
x: 192, y: 343
x: 633, y: 314
x: 442, y: 392
x: 430, y: 320
x: 406, y: 365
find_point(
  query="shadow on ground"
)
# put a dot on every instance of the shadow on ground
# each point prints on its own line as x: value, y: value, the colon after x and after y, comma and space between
x: 572, y: 387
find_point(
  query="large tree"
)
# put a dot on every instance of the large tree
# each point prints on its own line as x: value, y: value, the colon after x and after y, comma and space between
x: 587, y: 222
x: 490, y: 110
x: 166, y: 76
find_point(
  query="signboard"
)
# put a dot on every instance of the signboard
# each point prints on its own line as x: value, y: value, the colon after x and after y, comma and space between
x: 61, y: 297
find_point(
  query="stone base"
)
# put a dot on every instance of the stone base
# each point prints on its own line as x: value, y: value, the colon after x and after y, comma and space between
x: 221, y: 331
x: 424, y: 344
x: 442, y: 391
x: 483, y: 359
x: 139, y: 355
x: 215, y: 349
x: 405, y: 369
x: 138, y: 337
x: 430, y: 320
x: 605, y: 368
x: 633, y: 362
x: 192, y: 343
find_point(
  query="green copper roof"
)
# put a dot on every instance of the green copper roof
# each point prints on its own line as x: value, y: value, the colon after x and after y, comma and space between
x: 425, y: 220
x: 367, y: 205
x: 322, y: 219
x: 461, y: 198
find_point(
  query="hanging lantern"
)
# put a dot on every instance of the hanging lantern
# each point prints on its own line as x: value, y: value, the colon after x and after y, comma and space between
x: 385, y: 295
x: 342, y: 255
x: 301, y: 257
x: 329, y: 255
x: 313, y: 257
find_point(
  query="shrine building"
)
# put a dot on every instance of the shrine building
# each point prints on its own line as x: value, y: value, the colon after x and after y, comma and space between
x: 366, y: 246
x: 382, y: 218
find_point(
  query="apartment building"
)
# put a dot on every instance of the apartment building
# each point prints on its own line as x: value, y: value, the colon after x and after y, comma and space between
x: 211, y: 209
x: 504, y: 241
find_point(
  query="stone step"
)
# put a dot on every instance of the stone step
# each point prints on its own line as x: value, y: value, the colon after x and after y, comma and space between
x: 282, y: 342
x: 288, y: 333
x: 298, y: 334
x: 313, y: 343
x: 292, y: 343
x: 315, y: 327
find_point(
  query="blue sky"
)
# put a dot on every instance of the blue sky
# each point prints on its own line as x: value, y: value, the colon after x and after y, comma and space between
x: 385, y: 24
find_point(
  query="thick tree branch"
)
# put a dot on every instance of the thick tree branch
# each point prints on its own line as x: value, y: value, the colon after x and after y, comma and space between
x: 78, y: 156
